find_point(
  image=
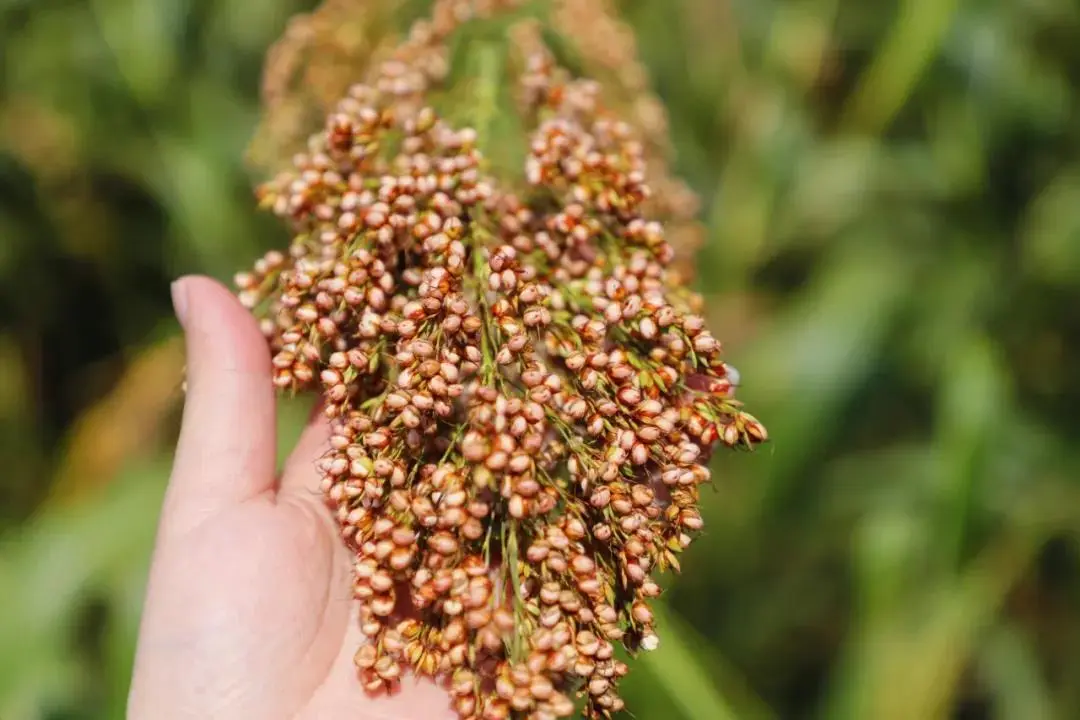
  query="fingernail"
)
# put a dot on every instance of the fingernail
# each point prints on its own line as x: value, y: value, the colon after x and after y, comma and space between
x: 179, y: 300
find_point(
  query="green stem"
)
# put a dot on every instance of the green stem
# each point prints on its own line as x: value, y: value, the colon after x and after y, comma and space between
x: 513, y: 565
x: 489, y: 60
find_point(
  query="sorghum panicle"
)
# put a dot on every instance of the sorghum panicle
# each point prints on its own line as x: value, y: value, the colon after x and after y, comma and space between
x: 523, y: 399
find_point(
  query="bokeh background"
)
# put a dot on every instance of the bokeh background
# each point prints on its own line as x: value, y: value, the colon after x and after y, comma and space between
x: 891, y: 190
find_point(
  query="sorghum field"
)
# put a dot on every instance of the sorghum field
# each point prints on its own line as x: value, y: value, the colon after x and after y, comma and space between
x: 878, y: 203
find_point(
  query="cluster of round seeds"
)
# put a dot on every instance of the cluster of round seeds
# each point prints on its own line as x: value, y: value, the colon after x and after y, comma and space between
x: 523, y: 400
x: 608, y: 52
x: 323, y: 52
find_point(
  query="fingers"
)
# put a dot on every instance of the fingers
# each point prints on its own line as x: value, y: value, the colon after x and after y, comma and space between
x: 301, y: 477
x: 226, y: 450
x: 343, y: 694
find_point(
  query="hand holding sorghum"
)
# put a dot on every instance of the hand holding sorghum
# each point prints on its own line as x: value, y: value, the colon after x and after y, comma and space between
x: 249, y: 613
x: 520, y: 403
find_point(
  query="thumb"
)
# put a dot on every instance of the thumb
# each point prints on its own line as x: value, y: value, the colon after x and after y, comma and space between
x: 226, y: 452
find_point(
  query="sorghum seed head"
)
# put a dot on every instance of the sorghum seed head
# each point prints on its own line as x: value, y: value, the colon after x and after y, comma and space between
x: 523, y: 394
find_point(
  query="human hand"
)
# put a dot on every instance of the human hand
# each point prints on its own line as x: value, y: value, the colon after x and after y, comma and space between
x: 249, y: 612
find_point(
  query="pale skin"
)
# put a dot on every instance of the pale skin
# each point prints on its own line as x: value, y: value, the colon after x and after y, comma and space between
x: 249, y: 612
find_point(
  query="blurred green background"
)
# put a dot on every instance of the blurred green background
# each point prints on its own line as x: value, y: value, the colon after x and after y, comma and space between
x: 892, y: 195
